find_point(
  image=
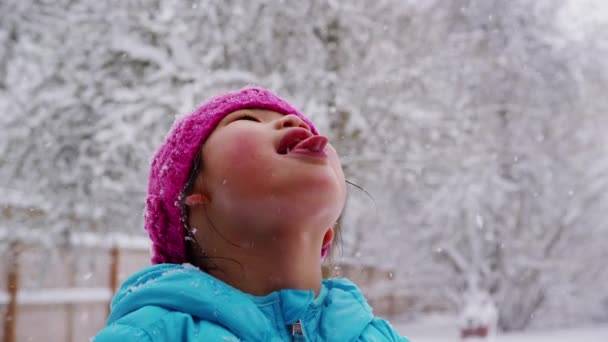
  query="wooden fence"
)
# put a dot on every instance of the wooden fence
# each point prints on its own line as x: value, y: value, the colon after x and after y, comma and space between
x: 46, y: 300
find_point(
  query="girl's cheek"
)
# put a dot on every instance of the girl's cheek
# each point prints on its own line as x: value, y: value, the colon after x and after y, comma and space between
x: 240, y: 157
x: 241, y: 148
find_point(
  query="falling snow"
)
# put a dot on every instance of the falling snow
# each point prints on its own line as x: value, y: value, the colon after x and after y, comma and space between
x: 476, y: 130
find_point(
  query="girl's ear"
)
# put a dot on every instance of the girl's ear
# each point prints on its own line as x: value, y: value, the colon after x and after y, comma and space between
x: 197, y: 199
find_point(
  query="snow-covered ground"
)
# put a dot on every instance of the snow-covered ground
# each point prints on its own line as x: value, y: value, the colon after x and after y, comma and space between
x: 442, y: 329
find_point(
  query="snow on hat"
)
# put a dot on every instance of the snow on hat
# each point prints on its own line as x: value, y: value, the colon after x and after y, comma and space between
x: 172, y: 165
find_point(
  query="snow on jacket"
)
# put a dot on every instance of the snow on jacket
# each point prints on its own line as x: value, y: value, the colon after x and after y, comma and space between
x: 170, y: 302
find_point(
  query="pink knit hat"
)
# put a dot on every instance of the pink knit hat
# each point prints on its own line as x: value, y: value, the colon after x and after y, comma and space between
x: 172, y: 164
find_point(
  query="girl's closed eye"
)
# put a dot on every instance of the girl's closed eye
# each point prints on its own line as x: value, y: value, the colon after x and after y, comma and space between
x: 247, y: 117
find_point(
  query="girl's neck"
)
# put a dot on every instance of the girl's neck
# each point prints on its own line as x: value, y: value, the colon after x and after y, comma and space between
x: 266, y: 268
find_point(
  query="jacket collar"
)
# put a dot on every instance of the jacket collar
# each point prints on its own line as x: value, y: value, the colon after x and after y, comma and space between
x: 185, y: 288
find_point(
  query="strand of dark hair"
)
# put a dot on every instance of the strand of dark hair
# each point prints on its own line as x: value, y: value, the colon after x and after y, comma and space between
x: 196, y: 254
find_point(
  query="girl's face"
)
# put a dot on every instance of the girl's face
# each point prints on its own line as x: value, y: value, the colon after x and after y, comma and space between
x: 255, y: 183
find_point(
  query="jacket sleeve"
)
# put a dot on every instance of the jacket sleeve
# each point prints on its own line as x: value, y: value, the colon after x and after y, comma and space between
x: 170, y: 326
x: 381, y: 330
x: 121, y: 332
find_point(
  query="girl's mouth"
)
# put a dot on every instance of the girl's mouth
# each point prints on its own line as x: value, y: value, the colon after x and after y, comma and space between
x: 313, y: 146
x: 301, y: 141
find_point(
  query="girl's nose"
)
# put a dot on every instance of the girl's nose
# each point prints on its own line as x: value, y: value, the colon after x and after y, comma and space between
x: 291, y: 120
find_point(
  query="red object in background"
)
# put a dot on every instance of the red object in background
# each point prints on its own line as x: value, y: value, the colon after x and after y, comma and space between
x: 474, y: 332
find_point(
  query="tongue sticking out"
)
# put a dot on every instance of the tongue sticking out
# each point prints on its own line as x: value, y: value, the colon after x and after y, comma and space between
x: 315, y: 143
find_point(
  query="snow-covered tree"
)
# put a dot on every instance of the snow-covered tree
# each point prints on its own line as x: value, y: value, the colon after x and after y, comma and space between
x: 476, y: 126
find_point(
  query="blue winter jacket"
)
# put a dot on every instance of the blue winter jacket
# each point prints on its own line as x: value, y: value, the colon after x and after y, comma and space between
x: 170, y: 302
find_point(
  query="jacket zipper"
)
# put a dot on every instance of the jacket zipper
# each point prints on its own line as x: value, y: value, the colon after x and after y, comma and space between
x: 297, y: 332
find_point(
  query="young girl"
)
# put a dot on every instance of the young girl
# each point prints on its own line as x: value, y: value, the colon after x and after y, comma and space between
x: 242, y: 199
